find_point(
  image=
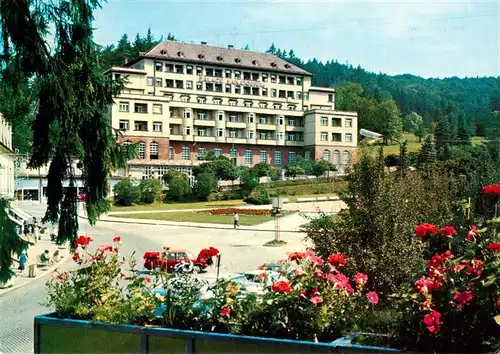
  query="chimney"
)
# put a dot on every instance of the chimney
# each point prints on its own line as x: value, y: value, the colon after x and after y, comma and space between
x: 203, y: 43
x: 230, y: 46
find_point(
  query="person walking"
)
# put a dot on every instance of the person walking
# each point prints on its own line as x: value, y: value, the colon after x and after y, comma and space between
x: 23, y: 259
x: 236, y: 220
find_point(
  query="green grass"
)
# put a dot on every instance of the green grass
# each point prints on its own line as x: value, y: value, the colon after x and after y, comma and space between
x: 180, y: 205
x: 193, y: 216
x: 308, y: 190
x: 293, y: 198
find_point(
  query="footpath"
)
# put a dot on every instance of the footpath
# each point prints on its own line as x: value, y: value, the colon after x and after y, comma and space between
x: 34, y: 251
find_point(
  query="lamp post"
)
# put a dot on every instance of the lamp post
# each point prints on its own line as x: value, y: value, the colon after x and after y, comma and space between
x: 373, y: 135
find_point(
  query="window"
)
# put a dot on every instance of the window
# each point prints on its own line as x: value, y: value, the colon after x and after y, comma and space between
x: 264, y: 92
x: 228, y: 73
x: 299, y: 81
x: 336, y: 122
x: 170, y: 152
x: 246, y: 75
x: 348, y: 138
x: 199, y: 85
x: 232, y: 133
x: 326, y: 155
x: 277, y: 158
x: 348, y: 123
x: 306, y: 96
x: 274, y: 92
x: 248, y: 157
x: 291, y: 122
x: 217, y: 152
x: 237, y: 89
x: 153, y: 150
x: 336, y: 137
x: 187, y: 130
x: 263, y: 155
x: 264, y: 77
x: 158, y: 82
x: 280, y: 121
x: 233, y: 153
x: 202, y: 132
x: 142, y: 150
x: 202, y: 116
x: 151, y: 81
x: 124, y: 125
x: 199, y: 70
x: 262, y: 135
x: 228, y: 88
x: 157, y: 126
x: 141, y: 126
x: 263, y: 120
x: 189, y: 69
x: 273, y: 79
x: 237, y: 74
x: 202, y: 152
x: 187, y: 114
x: 246, y: 90
x: 279, y: 136
x: 124, y: 106
x: 291, y: 137
x: 324, y: 137
x: 346, y: 157
x: 250, y: 134
x: 179, y: 69
x: 250, y: 118
x: 220, y: 132
x: 185, y: 153
x: 157, y: 109
x: 307, y: 155
x: 330, y: 97
x: 220, y: 116
x: 299, y: 95
x: 189, y: 85
x: 336, y: 158
x: 324, y: 121
x: 140, y: 107
x: 169, y: 68
x: 233, y: 118
x: 292, y: 157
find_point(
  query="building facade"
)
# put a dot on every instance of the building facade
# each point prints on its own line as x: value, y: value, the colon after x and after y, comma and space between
x: 183, y: 100
x: 7, y: 158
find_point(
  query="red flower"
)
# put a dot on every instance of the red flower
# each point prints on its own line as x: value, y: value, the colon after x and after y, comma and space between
x: 282, y: 287
x: 226, y: 311
x: 337, y: 260
x: 492, y: 191
x: 316, y: 299
x: 341, y: 282
x: 76, y: 256
x: 147, y: 280
x: 424, y: 285
x: 316, y: 260
x: 477, y: 263
x: 494, y: 247
x: 447, y: 255
x: 463, y: 298
x: 296, y: 256
x: 472, y: 234
x: 433, y: 321
x: 435, y: 261
x: 117, y: 239
x: 372, y: 297
x: 448, y: 231
x: 360, y: 279
x: 82, y: 241
x: 105, y: 248
x: 424, y: 230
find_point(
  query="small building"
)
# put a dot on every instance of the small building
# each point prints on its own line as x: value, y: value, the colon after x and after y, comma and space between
x: 7, y: 158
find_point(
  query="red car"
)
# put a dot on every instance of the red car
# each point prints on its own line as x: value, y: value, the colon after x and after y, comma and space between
x: 175, y: 256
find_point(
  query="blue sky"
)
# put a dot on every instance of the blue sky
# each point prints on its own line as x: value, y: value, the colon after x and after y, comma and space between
x: 427, y: 38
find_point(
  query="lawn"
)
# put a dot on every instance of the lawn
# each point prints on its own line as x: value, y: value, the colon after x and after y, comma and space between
x: 180, y: 205
x: 193, y: 216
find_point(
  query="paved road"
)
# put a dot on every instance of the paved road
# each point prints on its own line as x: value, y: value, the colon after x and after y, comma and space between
x: 240, y: 252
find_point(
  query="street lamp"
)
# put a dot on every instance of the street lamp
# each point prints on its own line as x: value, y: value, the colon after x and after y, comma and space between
x: 373, y: 135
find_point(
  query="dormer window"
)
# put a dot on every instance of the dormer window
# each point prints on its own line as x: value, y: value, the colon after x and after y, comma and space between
x: 288, y: 66
x: 255, y: 62
x: 201, y: 56
x: 180, y: 54
x: 220, y: 58
x: 273, y: 64
x: 238, y: 60
x: 163, y: 51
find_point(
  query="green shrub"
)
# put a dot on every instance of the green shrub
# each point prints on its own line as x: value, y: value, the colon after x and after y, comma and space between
x: 151, y: 190
x: 206, y: 184
x: 179, y: 189
x: 258, y: 196
x: 126, y: 193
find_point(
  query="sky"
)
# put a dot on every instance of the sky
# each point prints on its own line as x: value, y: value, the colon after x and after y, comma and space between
x: 426, y: 38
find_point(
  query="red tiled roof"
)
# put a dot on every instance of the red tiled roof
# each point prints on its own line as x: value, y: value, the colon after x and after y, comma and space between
x: 196, y: 53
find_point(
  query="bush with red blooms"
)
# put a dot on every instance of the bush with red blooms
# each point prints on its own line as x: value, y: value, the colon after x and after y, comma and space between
x: 241, y: 211
x: 152, y: 260
x: 207, y: 255
x: 455, y: 305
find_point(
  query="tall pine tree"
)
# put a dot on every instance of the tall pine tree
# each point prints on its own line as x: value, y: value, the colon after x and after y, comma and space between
x: 428, y: 152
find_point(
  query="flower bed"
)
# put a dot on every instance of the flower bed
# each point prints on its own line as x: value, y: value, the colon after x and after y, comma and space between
x: 241, y: 211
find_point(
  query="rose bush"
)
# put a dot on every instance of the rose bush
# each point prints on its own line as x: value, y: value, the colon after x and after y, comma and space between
x: 242, y: 211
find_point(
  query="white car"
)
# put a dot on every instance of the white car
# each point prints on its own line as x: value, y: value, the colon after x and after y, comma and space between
x: 258, y: 276
x: 239, y: 279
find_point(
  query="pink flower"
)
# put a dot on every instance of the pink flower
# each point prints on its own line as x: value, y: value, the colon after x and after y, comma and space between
x: 316, y: 260
x: 448, y: 231
x: 117, y: 239
x: 341, y: 282
x: 316, y: 299
x: 296, y: 256
x: 424, y: 285
x: 463, y: 298
x: 372, y: 297
x: 56, y: 276
x: 147, y: 280
x: 472, y: 234
x: 360, y: 279
x: 226, y: 311
x: 433, y: 321
x: 105, y: 248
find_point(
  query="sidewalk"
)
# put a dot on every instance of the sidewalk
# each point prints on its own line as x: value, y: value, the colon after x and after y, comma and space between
x: 34, y: 251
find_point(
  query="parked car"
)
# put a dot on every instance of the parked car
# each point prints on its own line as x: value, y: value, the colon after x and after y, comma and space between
x: 262, y: 276
x: 179, y: 260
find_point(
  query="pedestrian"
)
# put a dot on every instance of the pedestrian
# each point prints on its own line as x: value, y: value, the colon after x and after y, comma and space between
x: 236, y: 220
x: 23, y: 259
x: 56, y: 257
x: 45, y: 258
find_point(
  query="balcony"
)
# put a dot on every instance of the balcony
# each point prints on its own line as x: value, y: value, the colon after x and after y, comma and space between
x: 294, y: 143
x: 204, y: 139
x: 266, y: 126
x: 175, y: 120
x: 294, y: 128
x: 240, y: 125
x: 204, y: 123
x: 176, y: 137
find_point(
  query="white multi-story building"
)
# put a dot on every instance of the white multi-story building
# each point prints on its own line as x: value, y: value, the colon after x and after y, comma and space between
x: 7, y: 158
x: 183, y: 100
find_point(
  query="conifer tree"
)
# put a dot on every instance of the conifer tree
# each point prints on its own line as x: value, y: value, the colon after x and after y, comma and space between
x: 427, y: 153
